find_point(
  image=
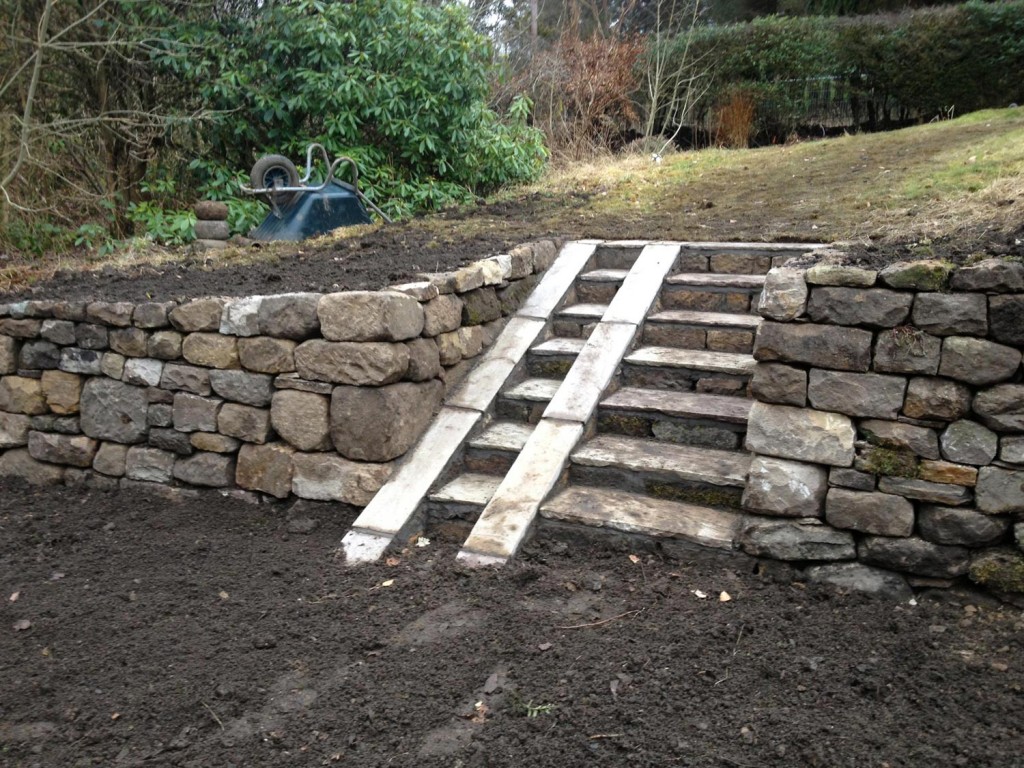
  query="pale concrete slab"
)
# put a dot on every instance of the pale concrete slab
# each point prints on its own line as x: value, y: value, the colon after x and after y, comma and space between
x: 363, y: 547
x: 534, y: 390
x: 559, y: 346
x: 706, y: 319
x: 503, y: 436
x: 595, y: 366
x: 680, y: 462
x: 686, y: 405
x: 507, y: 518
x: 395, y: 503
x: 480, y: 386
x: 712, y: 280
x: 557, y: 280
x: 642, y: 286
x: 633, y: 513
x: 471, y: 488
x: 733, y: 363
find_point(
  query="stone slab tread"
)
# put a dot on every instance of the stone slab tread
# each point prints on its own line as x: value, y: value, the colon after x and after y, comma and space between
x: 706, y: 319
x: 470, y: 488
x: 681, y: 462
x: 714, y: 280
x: 605, y: 275
x: 503, y: 436
x: 733, y: 363
x: 583, y: 311
x: 534, y: 390
x: 688, y: 405
x: 634, y: 513
x: 559, y: 346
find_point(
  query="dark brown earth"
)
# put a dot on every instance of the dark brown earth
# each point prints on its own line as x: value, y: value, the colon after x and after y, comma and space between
x: 211, y: 633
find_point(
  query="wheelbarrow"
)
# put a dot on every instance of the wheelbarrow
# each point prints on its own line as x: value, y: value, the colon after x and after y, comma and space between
x: 298, y: 209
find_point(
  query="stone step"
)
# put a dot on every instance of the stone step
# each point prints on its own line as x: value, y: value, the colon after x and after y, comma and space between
x: 554, y: 357
x: 698, y: 319
x: 495, y: 449
x: 690, y: 329
x: 687, y: 405
x: 712, y: 280
x: 730, y: 363
x: 599, y: 285
x: 578, y: 320
x: 704, y: 476
x: 582, y: 311
x: 634, y: 513
x: 710, y: 292
x: 526, y: 401
x: 604, y: 275
x: 472, y: 489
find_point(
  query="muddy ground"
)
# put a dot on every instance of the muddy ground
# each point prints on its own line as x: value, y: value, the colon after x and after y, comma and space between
x: 213, y: 632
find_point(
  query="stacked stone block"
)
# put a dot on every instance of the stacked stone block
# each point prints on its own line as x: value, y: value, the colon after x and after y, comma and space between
x: 889, y: 420
x: 212, y: 228
x: 306, y: 394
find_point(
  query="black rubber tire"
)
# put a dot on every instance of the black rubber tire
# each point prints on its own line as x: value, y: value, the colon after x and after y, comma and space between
x: 276, y: 170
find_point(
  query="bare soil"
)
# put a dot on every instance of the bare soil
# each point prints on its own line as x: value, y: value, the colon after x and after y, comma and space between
x: 213, y: 632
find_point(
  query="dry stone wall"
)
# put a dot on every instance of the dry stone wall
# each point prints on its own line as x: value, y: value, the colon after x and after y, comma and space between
x: 889, y: 423
x: 315, y: 395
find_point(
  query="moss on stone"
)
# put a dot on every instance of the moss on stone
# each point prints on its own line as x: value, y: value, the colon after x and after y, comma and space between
x: 891, y: 462
x: 550, y: 367
x: 927, y: 275
x: 1001, y: 570
x: 624, y: 424
x: 729, y: 498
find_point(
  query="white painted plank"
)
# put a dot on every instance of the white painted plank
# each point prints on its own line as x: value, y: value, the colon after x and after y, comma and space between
x: 642, y: 286
x: 480, y: 386
x: 557, y: 280
x: 595, y: 366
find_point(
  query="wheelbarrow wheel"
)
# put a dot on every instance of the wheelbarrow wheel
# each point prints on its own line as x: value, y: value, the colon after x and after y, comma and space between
x: 276, y: 171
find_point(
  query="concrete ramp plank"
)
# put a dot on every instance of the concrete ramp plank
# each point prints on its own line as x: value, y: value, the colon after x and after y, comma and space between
x: 557, y: 281
x: 481, y: 385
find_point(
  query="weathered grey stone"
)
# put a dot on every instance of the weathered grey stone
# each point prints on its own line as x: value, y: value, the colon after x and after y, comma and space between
x: 111, y: 459
x: 91, y: 336
x: 211, y: 441
x: 352, y: 362
x: 112, y: 365
x: 842, y: 275
x: 480, y: 306
x: 1006, y: 314
x: 869, y: 512
x: 948, y: 472
x: 267, y: 355
x: 369, y: 316
x: 76, y: 450
x: 922, y: 275
x: 914, y: 555
x: 20, y: 329
x: 186, y: 378
x: 210, y: 210
x: 294, y: 381
x: 796, y: 540
x: 521, y: 258
x: 856, y: 577
x: 823, y: 346
x: 951, y: 314
x: 991, y: 275
x: 19, y: 394
x: 424, y: 360
x: 75, y: 360
x: 156, y: 396
x: 243, y: 387
x: 494, y: 271
x: 382, y: 423
x: 963, y: 527
x: 193, y: 413
x: 779, y: 383
x: 907, y: 350
x: 17, y: 463
x: 266, y: 468
x: 171, y: 440
x: 703, y: 435
x: 241, y: 316
x: 421, y: 291
x: 9, y: 349
x: 244, y: 422
x: 130, y: 342
x: 143, y: 371
x: 867, y: 395
x: 922, y: 490
x: 1000, y: 490
x: 468, y: 278
x: 58, y: 331
x: 921, y: 441
x: 877, y: 307
x: 211, y: 350
x: 544, y: 254
x: 150, y: 465
x: 801, y: 434
x: 62, y: 391
x: 212, y: 230
x: 212, y: 470
x: 458, y: 345
x: 39, y: 355
x: 785, y: 488
x: 1011, y: 449
x: 302, y: 419
x: 13, y: 430
x: 326, y: 477
x: 197, y: 315
x: 1001, y: 570
x: 160, y: 414
x: 1002, y: 407
x: 514, y: 294
x: 442, y: 315
x: 117, y: 314
x: 152, y: 314
x: 851, y: 478
x: 290, y: 316
x: 967, y: 442
x: 164, y: 345
x: 62, y: 425
x: 784, y: 296
x: 933, y: 398
x: 977, y: 361
x: 69, y: 310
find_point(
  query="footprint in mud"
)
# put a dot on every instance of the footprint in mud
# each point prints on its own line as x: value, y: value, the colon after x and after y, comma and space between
x: 443, y: 623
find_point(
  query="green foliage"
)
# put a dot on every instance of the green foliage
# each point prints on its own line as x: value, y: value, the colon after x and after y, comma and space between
x: 161, y: 225
x: 870, y: 71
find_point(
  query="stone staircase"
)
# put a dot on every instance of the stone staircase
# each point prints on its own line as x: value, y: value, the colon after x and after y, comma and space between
x: 615, y: 398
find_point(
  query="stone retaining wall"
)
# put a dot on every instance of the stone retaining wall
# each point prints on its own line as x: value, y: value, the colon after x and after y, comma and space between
x: 309, y: 394
x: 889, y: 423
